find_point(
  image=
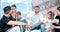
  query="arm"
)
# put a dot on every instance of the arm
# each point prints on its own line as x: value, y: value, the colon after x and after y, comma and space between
x: 58, y: 27
x: 56, y: 21
x: 27, y: 20
x: 16, y: 23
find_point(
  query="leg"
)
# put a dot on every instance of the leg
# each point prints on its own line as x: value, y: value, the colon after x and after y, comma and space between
x: 42, y: 28
x: 23, y: 27
x: 14, y: 29
x: 35, y: 27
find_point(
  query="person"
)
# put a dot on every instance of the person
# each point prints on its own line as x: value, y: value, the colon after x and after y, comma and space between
x: 57, y: 26
x: 33, y: 18
x: 13, y: 14
x: 18, y: 18
x: 48, y: 22
x: 6, y: 23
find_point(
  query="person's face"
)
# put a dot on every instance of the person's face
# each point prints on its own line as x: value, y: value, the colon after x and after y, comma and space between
x: 49, y: 15
x: 58, y: 13
x: 18, y: 16
x: 36, y: 9
x: 13, y: 9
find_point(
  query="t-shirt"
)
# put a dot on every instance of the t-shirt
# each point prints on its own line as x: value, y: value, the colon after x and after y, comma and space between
x: 57, y: 30
x: 48, y: 23
x: 58, y: 17
x: 34, y: 18
x: 3, y: 24
x: 13, y: 19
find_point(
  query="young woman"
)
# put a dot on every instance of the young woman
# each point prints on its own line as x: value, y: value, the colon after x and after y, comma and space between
x: 48, y: 22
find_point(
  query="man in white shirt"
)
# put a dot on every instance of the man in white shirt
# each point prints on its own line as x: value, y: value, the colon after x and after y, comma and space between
x: 34, y: 19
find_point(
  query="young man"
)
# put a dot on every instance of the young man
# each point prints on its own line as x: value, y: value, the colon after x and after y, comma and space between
x: 13, y: 14
x: 34, y: 19
x: 6, y: 23
x: 16, y: 16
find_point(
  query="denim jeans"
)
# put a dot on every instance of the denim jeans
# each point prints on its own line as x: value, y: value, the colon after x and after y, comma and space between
x: 42, y: 28
x: 23, y: 27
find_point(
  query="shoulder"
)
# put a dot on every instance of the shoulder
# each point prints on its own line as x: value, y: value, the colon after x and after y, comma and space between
x: 56, y: 17
x: 30, y: 14
x: 2, y: 19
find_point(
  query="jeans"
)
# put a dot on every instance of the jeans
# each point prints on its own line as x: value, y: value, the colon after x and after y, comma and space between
x: 23, y: 27
x: 41, y: 26
x: 35, y: 28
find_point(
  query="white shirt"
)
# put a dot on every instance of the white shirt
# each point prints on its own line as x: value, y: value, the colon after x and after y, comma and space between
x: 48, y: 23
x: 34, y: 18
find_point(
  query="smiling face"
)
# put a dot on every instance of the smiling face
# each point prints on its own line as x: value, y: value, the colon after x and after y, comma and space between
x: 13, y: 9
x: 18, y: 15
x: 36, y: 9
x: 50, y: 15
x: 58, y: 12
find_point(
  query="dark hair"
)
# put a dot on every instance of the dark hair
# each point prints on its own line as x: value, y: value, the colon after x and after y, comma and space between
x: 52, y: 14
x: 13, y: 5
x: 7, y: 9
x: 58, y: 8
x: 18, y: 13
x: 36, y: 6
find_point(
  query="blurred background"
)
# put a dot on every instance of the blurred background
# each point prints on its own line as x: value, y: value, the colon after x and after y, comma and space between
x: 26, y: 6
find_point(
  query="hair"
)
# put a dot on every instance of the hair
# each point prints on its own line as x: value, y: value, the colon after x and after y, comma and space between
x: 13, y: 5
x: 58, y: 8
x: 7, y: 9
x: 18, y: 13
x: 36, y: 6
x: 52, y: 14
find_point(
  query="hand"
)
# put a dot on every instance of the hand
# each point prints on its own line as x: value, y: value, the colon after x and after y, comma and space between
x: 42, y: 21
x: 56, y: 21
x: 52, y: 27
x: 28, y: 27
